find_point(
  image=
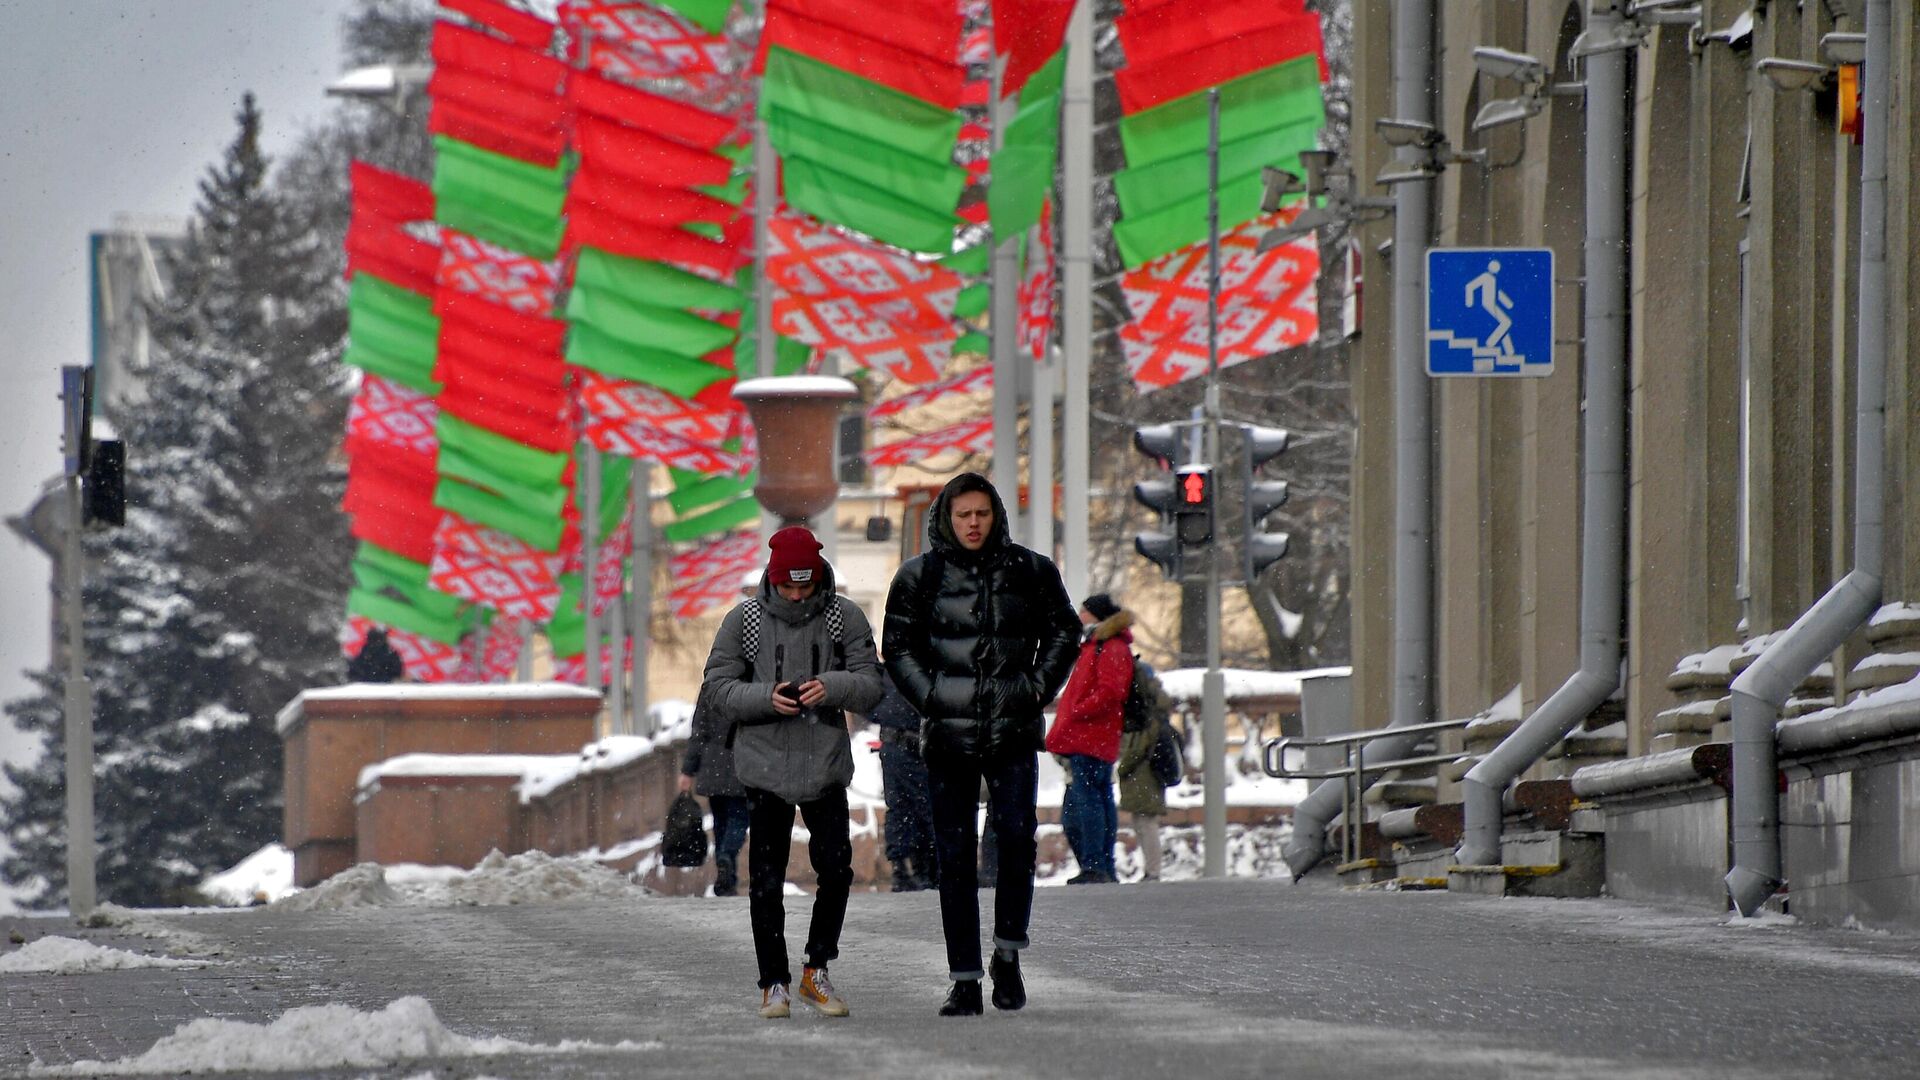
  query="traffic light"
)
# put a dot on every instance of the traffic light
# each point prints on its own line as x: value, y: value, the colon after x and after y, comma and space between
x: 1193, y: 509
x: 1161, y: 442
x: 1163, y: 498
x: 1158, y: 441
x: 1263, y: 497
x: 104, y: 488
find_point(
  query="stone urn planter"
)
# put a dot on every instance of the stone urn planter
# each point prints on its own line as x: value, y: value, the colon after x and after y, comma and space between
x: 794, y: 420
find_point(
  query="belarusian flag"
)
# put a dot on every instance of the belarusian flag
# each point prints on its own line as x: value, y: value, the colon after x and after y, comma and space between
x: 1265, y: 117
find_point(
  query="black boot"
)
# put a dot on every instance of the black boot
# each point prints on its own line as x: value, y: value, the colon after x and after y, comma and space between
x: 963, y: 999
x: 726, y: 878
x: 1009, y: 990
x: 903, y: 879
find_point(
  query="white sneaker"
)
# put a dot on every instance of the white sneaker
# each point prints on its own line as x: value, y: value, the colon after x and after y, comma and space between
x: 774, y: 1002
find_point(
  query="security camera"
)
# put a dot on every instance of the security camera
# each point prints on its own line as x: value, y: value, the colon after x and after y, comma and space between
x: 1310, y: 219
x: 1316, y: 164
x: 1506, y: 111
x: 1408, y: 133
x: 1842, y: 47
x: 1279, y: 183
x: 1502, y: 64
x: 1789, y: 75
x: 1593, y: 42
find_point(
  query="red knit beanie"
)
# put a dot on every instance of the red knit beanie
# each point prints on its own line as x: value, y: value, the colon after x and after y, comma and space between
x: 796, y: 557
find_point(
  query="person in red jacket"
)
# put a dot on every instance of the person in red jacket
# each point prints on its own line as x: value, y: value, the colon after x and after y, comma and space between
x: 1086, y: 734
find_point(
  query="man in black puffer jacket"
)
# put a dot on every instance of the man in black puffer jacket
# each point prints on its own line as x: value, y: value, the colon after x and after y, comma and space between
x: 980, y: 636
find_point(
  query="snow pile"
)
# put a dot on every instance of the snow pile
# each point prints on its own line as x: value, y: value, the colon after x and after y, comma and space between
x: 528, y: 878
x: 1242, y: 684
x: 532, y: 877
x: 318, y: 1037
x: 260, y: 878
x: 364, y: 885
x: 71, y: 956
x: 143, y: 924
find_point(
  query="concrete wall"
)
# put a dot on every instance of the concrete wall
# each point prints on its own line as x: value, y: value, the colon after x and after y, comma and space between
x: 329, y: 739
x: 1670, y: 849
x: 438, y: 820
x: 1852, y: 847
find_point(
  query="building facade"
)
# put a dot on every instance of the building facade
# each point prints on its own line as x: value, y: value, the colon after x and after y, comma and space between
x: 1744, y: 244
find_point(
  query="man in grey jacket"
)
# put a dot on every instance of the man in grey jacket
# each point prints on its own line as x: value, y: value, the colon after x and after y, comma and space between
x: 785, y: 669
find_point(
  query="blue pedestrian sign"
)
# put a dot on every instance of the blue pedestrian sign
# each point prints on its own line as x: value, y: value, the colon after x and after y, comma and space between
x: 1490, y: 311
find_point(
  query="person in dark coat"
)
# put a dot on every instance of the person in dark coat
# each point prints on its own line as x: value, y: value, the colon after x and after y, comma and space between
x: 979, y: 637
x: 909, y: 803
x: 377, y: 661
x: 706, y: 769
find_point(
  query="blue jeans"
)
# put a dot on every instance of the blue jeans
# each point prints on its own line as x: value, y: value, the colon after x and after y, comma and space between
x: 1088, y: 814
x: 731, y: 813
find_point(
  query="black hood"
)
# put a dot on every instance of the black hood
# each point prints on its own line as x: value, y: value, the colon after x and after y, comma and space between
x: 789, y: 612
x: 940, y: 535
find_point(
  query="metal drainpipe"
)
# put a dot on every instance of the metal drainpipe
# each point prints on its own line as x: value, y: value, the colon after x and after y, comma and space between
x: 1413, y: 99
x: 1761, y: 690
x: 1603, y: 509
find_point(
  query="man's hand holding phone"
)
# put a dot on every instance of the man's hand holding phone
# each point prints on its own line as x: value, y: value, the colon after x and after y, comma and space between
x: 786, y: 699
x: 812, y: 693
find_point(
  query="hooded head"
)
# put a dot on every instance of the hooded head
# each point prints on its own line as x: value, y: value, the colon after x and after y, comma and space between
x: 943, y: 533
x: 794, y: 559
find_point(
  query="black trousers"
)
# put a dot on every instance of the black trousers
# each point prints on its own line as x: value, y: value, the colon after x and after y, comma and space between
x: 769, y: 842
x: 909, y: 806
x: 1011, y: 780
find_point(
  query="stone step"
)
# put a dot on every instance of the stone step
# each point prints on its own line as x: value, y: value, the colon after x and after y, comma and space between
x: 1548, y: 863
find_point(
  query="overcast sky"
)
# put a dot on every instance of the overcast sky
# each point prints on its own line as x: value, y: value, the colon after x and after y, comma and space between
x: 112, y: 106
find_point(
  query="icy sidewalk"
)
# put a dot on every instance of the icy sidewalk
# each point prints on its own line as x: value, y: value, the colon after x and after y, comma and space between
x: 1234, y: 978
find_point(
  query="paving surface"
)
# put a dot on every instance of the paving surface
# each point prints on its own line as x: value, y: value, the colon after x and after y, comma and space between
x: 1236, y: 978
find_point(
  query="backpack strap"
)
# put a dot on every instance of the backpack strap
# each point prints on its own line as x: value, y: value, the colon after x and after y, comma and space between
x: 750, y: 616
x: 836, y: 622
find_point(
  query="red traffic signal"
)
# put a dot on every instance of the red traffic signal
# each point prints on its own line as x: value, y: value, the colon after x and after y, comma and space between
x: 1194, y: 515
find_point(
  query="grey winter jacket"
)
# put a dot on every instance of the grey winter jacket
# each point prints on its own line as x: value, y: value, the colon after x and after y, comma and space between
x: 795, y: 757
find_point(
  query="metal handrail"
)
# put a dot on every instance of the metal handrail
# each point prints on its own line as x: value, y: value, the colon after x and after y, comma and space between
x: 1273, y: 762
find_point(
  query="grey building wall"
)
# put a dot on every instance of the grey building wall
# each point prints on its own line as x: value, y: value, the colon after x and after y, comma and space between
x: 1744, y: 237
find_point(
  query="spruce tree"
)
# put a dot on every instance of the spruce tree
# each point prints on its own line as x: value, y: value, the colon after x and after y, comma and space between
x: 220, y: 598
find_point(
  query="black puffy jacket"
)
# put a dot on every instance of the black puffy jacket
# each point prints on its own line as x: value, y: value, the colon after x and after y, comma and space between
x: 978, y: 641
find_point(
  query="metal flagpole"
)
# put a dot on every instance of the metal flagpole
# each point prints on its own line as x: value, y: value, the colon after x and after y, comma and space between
x: 766, y: 177
x: 1040, y: 455
x: 617, y: 633
x: 589, y: 555
x: 78, y: 716
x: 640, y: 598
x: 1006, y: 380
x: 1076, y: 294
x: 1213, y: 697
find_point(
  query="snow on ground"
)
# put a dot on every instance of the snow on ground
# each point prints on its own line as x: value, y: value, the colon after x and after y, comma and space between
x: 319, y: 1037
x: 142, y: 923
x: 1253, y: 851
x: 532, y: 877
x: 260, y: 878
x: 71, y: 956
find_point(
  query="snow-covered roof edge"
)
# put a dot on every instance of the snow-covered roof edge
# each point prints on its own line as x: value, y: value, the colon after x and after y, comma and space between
x: 430, y: 692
